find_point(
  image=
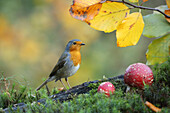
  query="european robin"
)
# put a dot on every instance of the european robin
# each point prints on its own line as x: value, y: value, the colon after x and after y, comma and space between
x: 68, y: 63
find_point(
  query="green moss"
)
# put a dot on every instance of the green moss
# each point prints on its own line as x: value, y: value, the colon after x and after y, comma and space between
x: 119, y: 102
x: 158, y: 93
x: 93, y: 102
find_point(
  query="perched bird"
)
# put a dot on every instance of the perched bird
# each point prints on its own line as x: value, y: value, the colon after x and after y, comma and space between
x: 68, y: 63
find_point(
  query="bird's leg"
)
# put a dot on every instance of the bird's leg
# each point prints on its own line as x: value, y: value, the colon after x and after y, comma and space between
x: 63, y: 84
x: 48, y: 92
x: 67, y: 82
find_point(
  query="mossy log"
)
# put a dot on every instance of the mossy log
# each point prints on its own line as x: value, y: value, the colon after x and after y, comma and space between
x: 69, y: 94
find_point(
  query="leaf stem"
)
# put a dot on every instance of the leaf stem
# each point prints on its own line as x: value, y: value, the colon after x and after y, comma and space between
x: 141, y: 7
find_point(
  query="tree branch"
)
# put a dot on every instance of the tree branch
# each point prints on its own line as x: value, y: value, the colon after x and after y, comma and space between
x: 141, y: 7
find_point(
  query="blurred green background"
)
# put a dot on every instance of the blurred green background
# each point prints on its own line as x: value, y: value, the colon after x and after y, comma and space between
x: 33, y: 35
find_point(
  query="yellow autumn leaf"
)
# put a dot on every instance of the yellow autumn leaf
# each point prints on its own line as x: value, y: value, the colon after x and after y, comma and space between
x: 129, y: 31
x: 110, y: 16
x: 133, y: 1
x: 85, y: 10
x: 79, y: 4
x: 168, y: 3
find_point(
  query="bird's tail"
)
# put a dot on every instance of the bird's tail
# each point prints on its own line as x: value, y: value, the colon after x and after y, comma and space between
x: 44, y: 83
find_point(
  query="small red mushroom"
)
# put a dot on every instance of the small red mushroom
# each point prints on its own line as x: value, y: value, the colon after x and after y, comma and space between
x: 137, y: 74
x: 107, y: 88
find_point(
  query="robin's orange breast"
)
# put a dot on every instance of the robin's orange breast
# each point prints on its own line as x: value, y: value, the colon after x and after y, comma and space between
x: 75, y: 57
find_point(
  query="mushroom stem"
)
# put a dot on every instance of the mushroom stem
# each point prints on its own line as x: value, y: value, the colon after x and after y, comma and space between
x: 127, y: 89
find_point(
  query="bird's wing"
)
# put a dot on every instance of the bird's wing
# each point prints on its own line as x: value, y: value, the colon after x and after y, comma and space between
x: 60, y: 64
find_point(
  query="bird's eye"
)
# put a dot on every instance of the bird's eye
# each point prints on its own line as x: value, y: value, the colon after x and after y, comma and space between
x: 74, y: 43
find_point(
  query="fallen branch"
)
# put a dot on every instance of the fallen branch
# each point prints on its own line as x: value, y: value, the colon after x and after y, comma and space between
x: 69, y: 94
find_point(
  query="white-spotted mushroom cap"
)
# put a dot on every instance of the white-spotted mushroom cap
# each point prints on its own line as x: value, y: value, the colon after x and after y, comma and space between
x: 138, y: 74
x: 107, y: 88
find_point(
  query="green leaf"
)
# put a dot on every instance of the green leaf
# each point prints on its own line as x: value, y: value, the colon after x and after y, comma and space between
x: 133, y: 1
x: 158, y: 50
x: 155, y: 26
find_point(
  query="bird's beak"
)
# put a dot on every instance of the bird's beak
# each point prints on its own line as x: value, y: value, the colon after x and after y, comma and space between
x: 82, y: 44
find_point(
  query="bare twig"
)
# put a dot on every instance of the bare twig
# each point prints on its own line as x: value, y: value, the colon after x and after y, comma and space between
x: 48, y: 92
x: 141, y: 7
x: 143, y: 102
x: 6, y: 87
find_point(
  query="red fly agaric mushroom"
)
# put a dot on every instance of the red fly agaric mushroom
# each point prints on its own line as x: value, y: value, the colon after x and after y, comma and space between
x: 107, y: 88
x: 137, y: 74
